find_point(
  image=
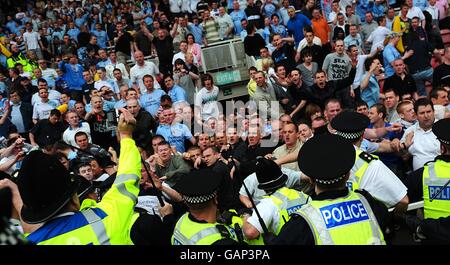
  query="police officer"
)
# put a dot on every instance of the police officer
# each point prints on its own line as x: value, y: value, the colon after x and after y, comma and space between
x: 49, y: 198
x: 199, y: 226
x: 432, y: 183
x: 429, y: 181
x: 368, y: 172
x: 279, y: 203
x: 335, y: 215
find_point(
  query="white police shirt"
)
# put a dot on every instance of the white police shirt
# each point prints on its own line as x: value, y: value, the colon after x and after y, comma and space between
x: 251, y: 182
x: 382, y: 183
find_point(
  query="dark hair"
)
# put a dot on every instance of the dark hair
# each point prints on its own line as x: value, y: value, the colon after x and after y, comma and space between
x: 306, y: 52
x: 307, y: 28
x: 360, y: 103
x: 167, y: 76
x: 390, y: 89
x: 350, y: 47
x: 380, y: 19
x: 147, y: 76
x: 423, y: 102
x: 166, y: 98
x: 130, y: 90
x: 42, y: 80
x: 297, y: 70
x: 215, y: 149
x: 305, y: 122
x: 79, y: 134
x: 291, y: 123
x: 380, y: 109
x: 278, y: 66
x: 55, y: 112
x: 433, y: 94
x: 158, y: 136
x: 368, y: 62
x: 190, y: 34
x: 164, y: 142
x: 207, y: 77
x: 252, y: 68
x: 180, y: 61
x: 310, y: 109
x: 82, y: 164
x: 320, y: 71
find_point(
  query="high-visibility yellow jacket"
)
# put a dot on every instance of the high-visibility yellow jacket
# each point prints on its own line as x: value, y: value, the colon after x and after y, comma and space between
x: 287, y: 201
x: 343, y: 221
x: 435, y: 175
x: 362, y: 162
x: 188, y: 232
x: 106, y: 222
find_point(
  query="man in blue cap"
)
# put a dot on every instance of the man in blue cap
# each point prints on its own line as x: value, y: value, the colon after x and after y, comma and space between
x: 335, y: 215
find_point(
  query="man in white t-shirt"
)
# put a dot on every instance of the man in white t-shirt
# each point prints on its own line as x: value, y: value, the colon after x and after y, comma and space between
x: 103, y: 81
x: 414, y: 11
x: 113, y: 65
x: 75, y: 126
x: 378, y: 36
x: 182, y: 53
x: 419, y: 140
x: 33, y: 41
x: 206, y: 99
x: 439, y: 97
x: 142, y: 68
x: 41, y: 110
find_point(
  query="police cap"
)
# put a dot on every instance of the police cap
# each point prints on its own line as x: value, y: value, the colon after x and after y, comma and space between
x: 269, y: 174
x: 198, y: 186
x: 327, y: 158
x: 441, y: 129
x: 350, y: 125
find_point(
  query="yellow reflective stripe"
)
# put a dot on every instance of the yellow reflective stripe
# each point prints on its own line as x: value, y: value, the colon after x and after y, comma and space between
x: 195, y: 238
x: 376, y: 234
x: 123, y: 190
x: 178, y: 235
x: 97, y: 225
x: 203, y: 234
x: 125, y: 177
x: 281, y: 197
x: 316, y: 218
x: 432, y: 176
x: 432, y: 171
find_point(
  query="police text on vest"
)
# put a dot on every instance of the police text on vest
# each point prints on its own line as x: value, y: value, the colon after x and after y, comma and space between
x: 344, y: 213
x: 444, y: 195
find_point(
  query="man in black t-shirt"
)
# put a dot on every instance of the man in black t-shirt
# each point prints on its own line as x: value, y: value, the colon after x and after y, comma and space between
x: 124, y: 44
x: 284, y: 52
x: 164, y: 48
x: 88, y: 86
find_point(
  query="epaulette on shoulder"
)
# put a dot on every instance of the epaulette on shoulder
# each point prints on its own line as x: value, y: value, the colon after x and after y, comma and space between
x: 367, y: 157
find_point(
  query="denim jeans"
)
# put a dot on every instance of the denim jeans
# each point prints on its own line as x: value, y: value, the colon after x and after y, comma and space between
x: 420, y: 78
